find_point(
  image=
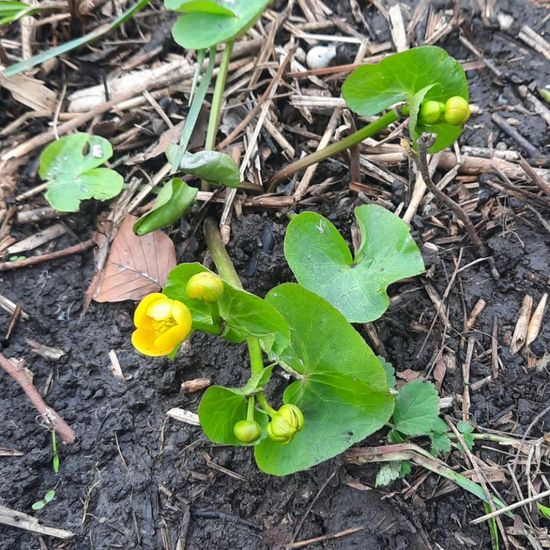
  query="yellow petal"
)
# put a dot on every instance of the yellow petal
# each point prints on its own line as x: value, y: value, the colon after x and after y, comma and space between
x: 181, y: 314
x: 172, y: 338
x: 160, y: 309
x: 144, y: 341
x: 141, y: 311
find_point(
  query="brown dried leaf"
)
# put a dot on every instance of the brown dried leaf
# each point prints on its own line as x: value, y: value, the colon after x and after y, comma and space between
x: 136, y: 265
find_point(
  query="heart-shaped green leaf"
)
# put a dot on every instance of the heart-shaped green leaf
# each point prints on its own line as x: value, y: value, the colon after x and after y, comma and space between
x: 172, y: 202
x: 244, y: 314
x: 220, y: 409
x: 70, y: 166
x: 370, y: 89
x: 202, y: 29
x: 322, y: 262
x: 212, y: 166
x: 342, y: 388
x: 416, y: 408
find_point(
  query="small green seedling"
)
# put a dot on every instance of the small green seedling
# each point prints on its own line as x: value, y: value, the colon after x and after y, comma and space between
x: 48, y: 497
x: 12, y: 11
x: 70, y: 166
x: 55, y: 454
x: 322, y: 262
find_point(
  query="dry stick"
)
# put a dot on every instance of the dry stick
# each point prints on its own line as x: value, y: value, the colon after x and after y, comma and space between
x: 494, y: 349
x: 424, y: 143
x: 532, y: 173
x: 34, y: 260
x: 530, y: 149
x: 13, y: 518
x: 19, y: 374
x: 466, y: 379
x: 322, y: 538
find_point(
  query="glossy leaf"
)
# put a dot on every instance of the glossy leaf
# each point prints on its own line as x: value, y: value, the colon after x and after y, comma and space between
x: 341, y: 391
x: 212, y: 166
x: 370, y: 89
x: 322, y: 262
x: 203, y: 29
x: 70, y: 166
x: 220, y: 409
x: 10, y: 11
x: 416, y: 408
x: 244, y: 314
x: 199, y: 6
x: 172, y: 202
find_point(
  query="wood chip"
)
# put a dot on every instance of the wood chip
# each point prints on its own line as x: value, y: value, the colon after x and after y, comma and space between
x: 536, y: 321
x: 17, y: 519
x: 195, y: 385
x: 182, y: 415
x: 520, y: 331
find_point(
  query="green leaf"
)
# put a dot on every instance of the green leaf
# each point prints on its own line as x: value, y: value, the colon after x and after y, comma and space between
x: 10, y: 11
x: 322, y: 262
x: 390, y: 372
x: 388, y: 473
x: 220, y: 409
x: 70, y: 166
x: 199, y: 6
x: 341, y: 391
x: 416, y: 408
x: 203, y: 29
x: 214, y: 167
x: 466, y: 429
x: 38, y: 505
x: 441, y: 443
x: 49, y: 496
x: 406, y: 468
x: 544, y: 511
x: 55, y: 463
x: 370, y: 89
x: 172, y: 202
x: 244, y: 314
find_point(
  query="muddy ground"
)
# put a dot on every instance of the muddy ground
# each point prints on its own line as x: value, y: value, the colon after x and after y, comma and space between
x: 136, y: 479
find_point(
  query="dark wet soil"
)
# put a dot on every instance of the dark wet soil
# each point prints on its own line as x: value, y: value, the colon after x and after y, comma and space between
x: 135, y: 479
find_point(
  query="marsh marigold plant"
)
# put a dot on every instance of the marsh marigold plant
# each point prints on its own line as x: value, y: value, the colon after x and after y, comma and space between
x: 161, y: 324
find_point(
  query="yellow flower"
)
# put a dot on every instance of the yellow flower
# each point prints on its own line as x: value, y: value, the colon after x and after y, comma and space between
x: 161, y: 325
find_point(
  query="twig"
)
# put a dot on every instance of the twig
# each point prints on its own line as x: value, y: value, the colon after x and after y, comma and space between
x: 322, y: 538
x: 424, y: 143
x: 531, y: 150
x: 52, y: 418
x: 17, y: 519
x: 466, y: 379
x: 34, y: 260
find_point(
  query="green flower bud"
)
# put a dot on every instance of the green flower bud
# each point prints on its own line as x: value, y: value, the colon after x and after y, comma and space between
x: 285, y: 424
x: 247, y: 431
x: 457, y: 111
x: 204, y: 286
x: 431, y: 111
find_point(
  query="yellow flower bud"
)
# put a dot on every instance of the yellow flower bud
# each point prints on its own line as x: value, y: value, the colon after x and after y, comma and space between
x: 247, y: 431
x: 431, y: 111
x: 285, y: 424
x: 161, y: 324
x: 457, y: 111
x: 204, y: 286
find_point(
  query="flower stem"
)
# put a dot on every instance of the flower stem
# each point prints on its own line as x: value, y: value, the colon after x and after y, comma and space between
x: 262, y: 401
x: 335, y: 148
x: 250, y: 409
x: 217, y: 101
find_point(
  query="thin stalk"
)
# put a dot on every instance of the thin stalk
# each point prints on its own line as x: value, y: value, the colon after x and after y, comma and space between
x: 250, y: 409
x: 217, y: 101
x: 262, y: 401
x: 353, y: 139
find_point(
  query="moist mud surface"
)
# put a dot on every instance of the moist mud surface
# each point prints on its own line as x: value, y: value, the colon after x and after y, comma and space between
x: 136, y: 479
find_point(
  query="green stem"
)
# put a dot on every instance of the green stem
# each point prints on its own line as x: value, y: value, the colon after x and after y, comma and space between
x: 250, y: 409
x: 217, y: 101
x: 262, y: 401
x: 353, y: 139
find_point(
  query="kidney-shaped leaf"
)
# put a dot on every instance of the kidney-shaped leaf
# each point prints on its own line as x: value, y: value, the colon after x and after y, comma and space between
x: 212, y: 166
x: 342, y: 391
x: 70, y: 166
x: 203, y: 27
x: 322, y: 262
x: 136, y: 266
x: 370, y: 89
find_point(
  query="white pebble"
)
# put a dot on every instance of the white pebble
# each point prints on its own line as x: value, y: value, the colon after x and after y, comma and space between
x: 320, y: 56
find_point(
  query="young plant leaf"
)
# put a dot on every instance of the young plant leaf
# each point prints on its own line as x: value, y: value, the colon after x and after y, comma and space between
x: 244, y: 314
x: 70, y: 166
x: 212, y: 166
x: 388, y: 473
x: 38, y: 505
x: 10, y: 11
x: 199, y: 6
x: 205, y: 28
x: 466, y: 429
x: 390, y: 372
x: 370, y: 89
x: 416, y: 408
x: 322, y: 262
x: 441, y: 443
x: 136, y: 266
x: 49, y: 496
x: 342, y: 389
x: 220, y: 409
x: 172, y: 202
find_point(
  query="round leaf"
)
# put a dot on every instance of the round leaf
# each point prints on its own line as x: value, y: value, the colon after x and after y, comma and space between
x: 342, y: 390
x: 322, y: 262
x: 416, y: 408
x: 203, y: 29
x: 70, y: 166
x: 370, y: 89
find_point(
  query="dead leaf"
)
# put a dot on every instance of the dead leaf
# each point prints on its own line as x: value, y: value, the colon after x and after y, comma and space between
x: 440, y: 370
x: 31, y: 92
x: 136, y: 266
x: 408, y: 374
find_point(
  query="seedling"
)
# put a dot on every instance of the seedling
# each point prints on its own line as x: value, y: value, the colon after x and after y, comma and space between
x: 48, y: 497
x: 12, y: 11
x: 424, y: 84
x: 70, y: 166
